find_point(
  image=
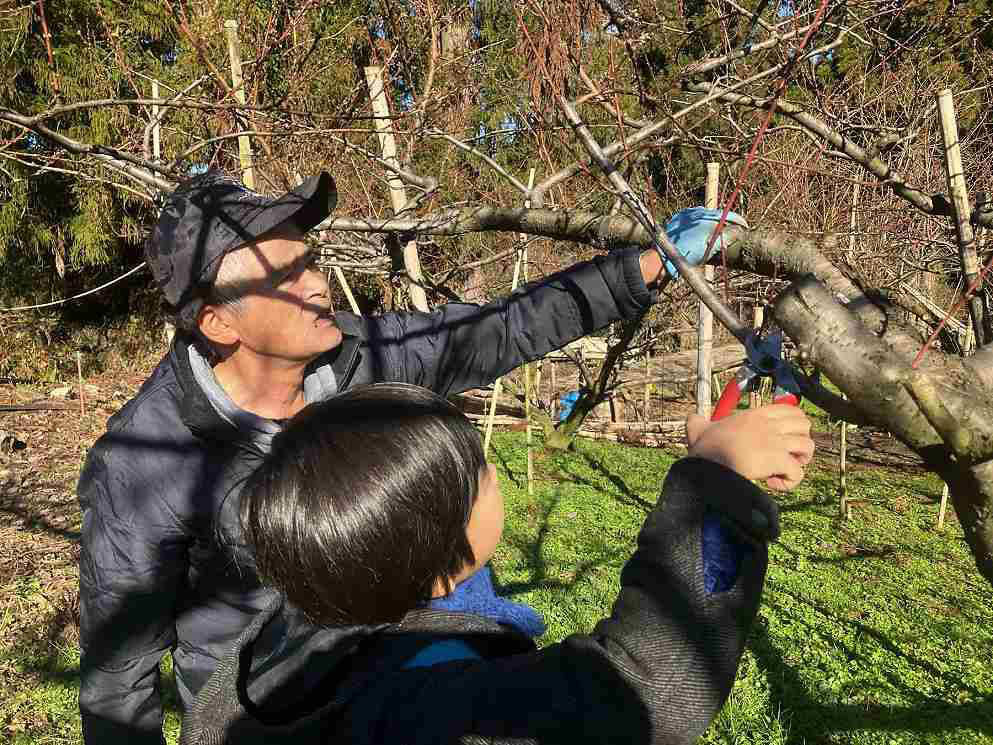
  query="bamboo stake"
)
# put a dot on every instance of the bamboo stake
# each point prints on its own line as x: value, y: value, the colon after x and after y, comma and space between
x: 843, y: 426
x: 82, y: 394
x: 843, y: 468
x: 648, y: 386
x: 398, y: 193
x: 554, y: 403
x: 156, y: 129
x: 528, y: 370
x: 962, y: 212
x: 705, y: 318
x: 338, y: 273
x: 532, y: 378
x: 238, y: 85
x: 498, y: 383
x: 969, y: 343
x: 169, y: 330
x: 755, y: 397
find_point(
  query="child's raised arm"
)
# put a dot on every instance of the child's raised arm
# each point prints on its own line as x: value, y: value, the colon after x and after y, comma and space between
x: 770, y: 443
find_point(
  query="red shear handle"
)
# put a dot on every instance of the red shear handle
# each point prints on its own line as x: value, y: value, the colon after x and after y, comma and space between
x: 728, y: 401
x: 789, y: 399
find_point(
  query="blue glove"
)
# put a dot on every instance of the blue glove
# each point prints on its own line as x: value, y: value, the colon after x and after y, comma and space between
x: 690, y: 230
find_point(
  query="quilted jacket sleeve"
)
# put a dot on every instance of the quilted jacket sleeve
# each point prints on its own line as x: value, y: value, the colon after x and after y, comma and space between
x: 462, y: 346
x: 133, y: 563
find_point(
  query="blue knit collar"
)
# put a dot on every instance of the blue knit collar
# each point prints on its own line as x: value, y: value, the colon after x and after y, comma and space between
x: 476, y: 595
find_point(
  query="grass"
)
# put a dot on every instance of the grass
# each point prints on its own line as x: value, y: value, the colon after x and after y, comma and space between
x: 875, y: 630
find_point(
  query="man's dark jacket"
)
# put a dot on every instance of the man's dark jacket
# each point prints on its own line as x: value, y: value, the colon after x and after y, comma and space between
x: 153, y: 575
x: 656, y: 671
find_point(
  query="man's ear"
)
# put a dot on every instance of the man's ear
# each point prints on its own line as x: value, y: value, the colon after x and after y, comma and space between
x: 216, y: 324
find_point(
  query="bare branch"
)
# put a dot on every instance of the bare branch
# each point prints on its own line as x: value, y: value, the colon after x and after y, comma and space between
x: 874, y: 165
x: 482, y: 156
x: 139, y: 169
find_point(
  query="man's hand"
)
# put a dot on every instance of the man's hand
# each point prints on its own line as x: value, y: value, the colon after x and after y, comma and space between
x: 689, y: 230
x: 770, y: 443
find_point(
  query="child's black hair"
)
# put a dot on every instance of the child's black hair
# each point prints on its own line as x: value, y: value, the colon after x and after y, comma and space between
x: 363, y: 503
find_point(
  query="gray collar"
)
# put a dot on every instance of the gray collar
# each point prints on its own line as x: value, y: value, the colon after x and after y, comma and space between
x: 318, y: 385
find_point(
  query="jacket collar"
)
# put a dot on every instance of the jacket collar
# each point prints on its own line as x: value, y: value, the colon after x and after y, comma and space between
x: 345, y: 357
x: 201, y: 418
x: 302, y: 670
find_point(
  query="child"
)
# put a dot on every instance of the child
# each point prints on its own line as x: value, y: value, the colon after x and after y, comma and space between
x: 373, y: 518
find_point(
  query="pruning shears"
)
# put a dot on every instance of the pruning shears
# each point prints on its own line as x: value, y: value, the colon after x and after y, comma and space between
x: 764, y: 358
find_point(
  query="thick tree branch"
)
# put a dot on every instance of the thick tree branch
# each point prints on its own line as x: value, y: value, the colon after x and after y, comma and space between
x: 942, y: 412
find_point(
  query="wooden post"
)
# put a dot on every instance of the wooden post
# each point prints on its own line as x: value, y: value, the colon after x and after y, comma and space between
x: 843, y: 425
x: 705, y: 318
x: 156, y: 129
x: 755, y: 397
x: 554, y: 403
x: 943, y: 507
x: 82, y: 393
x: 238, y: 84
x: 498, y: 383
x: 843, y: 468
x: 528, y: 370
x: 648, y: 388
x: 398, y: 194
x: 960, y: 202
x: 169, y: 330
x: 338, y: 273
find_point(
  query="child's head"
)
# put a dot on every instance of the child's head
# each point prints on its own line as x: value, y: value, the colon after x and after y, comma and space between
x: 371, y: 503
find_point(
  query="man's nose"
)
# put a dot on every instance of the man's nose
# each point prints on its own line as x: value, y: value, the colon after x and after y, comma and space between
x: 315, y: 281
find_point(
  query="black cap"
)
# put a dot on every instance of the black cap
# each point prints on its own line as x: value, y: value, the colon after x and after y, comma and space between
x: 211, y: 214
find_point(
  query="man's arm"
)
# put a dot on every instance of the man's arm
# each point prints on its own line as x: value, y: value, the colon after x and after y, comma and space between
x: 462, y: 346
x: 133, y: 560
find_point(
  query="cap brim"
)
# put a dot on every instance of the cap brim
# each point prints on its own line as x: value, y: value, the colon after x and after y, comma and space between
x: 307, y: 205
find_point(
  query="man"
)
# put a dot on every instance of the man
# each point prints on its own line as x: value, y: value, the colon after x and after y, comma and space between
x: 257, y: 341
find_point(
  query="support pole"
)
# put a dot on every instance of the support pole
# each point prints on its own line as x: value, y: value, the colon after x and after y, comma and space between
x: 528, y: 369
x: 338, y: 273
x: 705, y: 318
x: 156, y: 129
x: 169, y: 329
x: 843, y: 425
x: 843, y: 468
x: 960, y: 202
x: 498, y: 383
x: 755, y: 397
x: 648, y: 388
x: 238, y: 84
x: 398, y: 194
x: 943, y: 507
x: 82, y: 393
x: 522, y: 254
x: 554, y: 403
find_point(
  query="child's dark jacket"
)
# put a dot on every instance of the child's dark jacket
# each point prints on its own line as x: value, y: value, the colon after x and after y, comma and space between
x: 656, y: 671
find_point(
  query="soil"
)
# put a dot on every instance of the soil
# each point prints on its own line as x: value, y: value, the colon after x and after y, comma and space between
x: 41, y: 453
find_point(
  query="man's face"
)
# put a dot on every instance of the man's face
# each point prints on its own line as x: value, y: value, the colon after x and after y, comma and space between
x: 286, y: 310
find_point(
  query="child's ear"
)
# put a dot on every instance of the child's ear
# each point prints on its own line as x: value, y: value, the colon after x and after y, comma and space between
x: 442, y: 586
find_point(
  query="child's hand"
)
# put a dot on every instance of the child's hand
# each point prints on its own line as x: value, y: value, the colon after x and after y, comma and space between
x: 770, y: 443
